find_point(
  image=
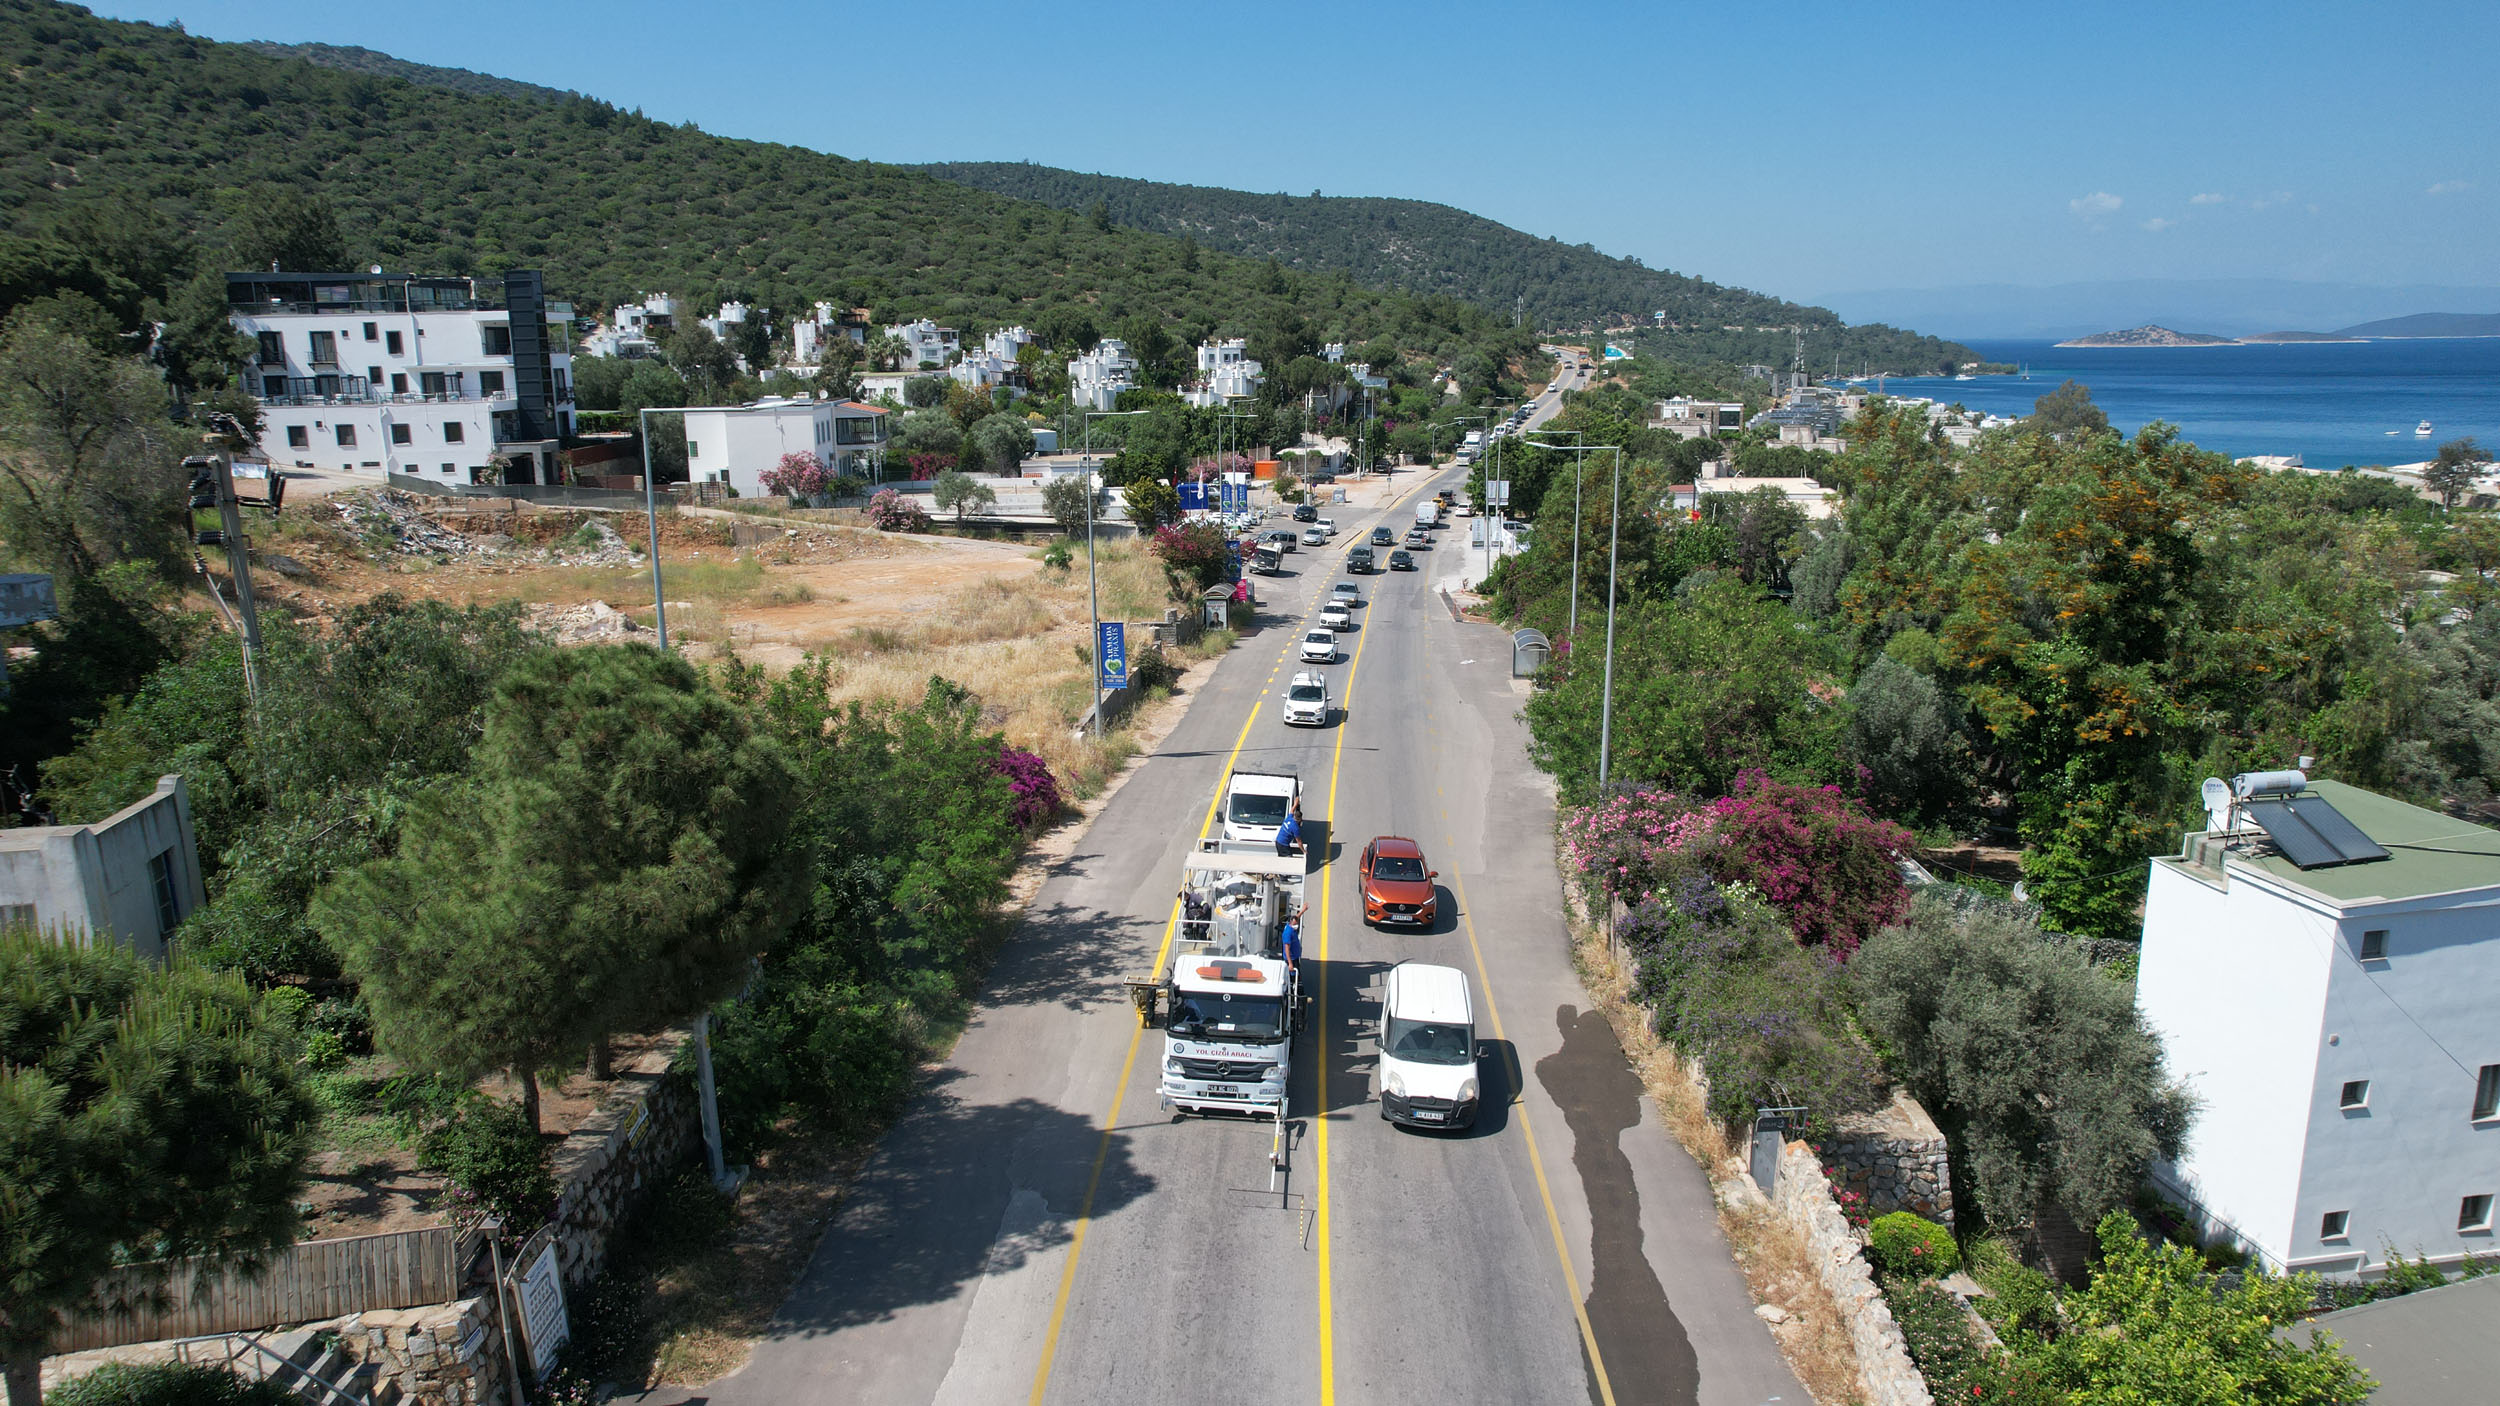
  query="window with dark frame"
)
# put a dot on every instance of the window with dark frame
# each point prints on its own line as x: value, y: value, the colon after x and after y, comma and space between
x: 373, y: 331
x: 325, y: 348
x: 2487, y: 1093
x: 454, y: 432
x: 490, y: 383
x: 373, y: 375
x: 298, y: 437
x: 2331, y: 1226
x: 391, y: 343
x: 2474, y: 1212
x: 403, y: 434
x: 347, y: 436
x: 399, y: 383
x: 161, y: 875
x: 272, y: 349
x: 2356, y: 1094
x: 2374, y: 945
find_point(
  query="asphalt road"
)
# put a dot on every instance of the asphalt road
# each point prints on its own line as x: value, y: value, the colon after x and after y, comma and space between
x: 1036, y: 1229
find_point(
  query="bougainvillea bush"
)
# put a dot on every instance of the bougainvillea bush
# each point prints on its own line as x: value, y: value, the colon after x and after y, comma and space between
x: 1197, y: 550
x: 1036, y: 791
x: 1826, y: 865
x: 890, y: 511
x: 798, y: 475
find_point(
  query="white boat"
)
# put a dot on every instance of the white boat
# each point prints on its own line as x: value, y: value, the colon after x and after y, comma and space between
x: 2423, y: 429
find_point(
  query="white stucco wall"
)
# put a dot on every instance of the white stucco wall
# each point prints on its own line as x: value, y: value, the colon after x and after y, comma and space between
x: 2235, y: 983
x: 92, y: 879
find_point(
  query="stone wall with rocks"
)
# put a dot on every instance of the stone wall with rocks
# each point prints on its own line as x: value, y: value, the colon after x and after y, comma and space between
x: 1803, y: 1198
x: 442, y: 1355
x: 649, y: 1126
x: 1895, y: 1158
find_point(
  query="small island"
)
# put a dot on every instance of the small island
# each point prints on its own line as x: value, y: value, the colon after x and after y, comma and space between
x: 2149, y: 335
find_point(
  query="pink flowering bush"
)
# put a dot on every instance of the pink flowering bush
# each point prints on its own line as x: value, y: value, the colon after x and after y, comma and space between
x: 1635, y: 841
x: 890, y: 511
x: 1036, y: 792
x: 1197, y: 550
x: 798, y: 475
x: 1823, y: 862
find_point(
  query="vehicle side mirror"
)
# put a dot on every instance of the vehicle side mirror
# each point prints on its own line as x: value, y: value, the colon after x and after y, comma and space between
x: 1432, y: 873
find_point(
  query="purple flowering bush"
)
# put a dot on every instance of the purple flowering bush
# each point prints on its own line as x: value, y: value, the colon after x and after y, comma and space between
x: 1036, y: 792
x: 798, y: 475
x: 890, y: 511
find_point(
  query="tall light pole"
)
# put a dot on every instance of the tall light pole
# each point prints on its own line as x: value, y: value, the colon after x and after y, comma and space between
x: 1579, y: 463
x: 1606, y: 708
x: 651, y: 515
x: 1093, y: 588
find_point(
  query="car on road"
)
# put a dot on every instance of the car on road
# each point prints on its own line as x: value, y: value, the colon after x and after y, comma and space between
x: 1463, y: 510
x: 1336, y: 616
x: 1359, y: 561
x: 1327, y: 525
x: 1427, y: 1065
x: 1401, y: 561
x: 1314, y: 537
x: 1319, y: 647
x: 1346, y: 593
x: 1304, y: 512
x: 1280, y: 539
x: 1306, y: 700
x: 1397, y: 884
x: 1383, y: 537
x: 1419, y: 539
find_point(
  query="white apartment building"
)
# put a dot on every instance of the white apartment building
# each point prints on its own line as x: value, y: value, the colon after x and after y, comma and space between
x: 809, y: 335
x: 735, y: 444
x: 2321, y: 965
x: 454, y: 379
x: 1687, y: 418
x: 732, y: 314
x: 981, y: 370
x: 928, y: 343
x: 1006, y: 342
x: 630, y: 328
x: 1096, y: 378
x: 1225, y: 370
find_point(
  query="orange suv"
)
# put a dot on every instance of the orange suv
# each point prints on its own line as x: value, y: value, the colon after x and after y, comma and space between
x: 1397, y: 887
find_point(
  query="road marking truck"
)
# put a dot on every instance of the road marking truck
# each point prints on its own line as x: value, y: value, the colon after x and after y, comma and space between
x: 1233, y: 999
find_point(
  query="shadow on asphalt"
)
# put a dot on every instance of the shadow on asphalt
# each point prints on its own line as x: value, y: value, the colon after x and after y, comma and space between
x: 1072, y: 956
x: 956, y: 1191
x: 1346, y: 1037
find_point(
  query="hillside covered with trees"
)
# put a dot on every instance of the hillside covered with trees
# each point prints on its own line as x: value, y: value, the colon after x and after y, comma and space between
x: 135, y: 158
x: 1423, y: 247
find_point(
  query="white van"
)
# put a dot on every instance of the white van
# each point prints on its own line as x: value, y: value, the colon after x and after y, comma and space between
x: 1427, y: 1048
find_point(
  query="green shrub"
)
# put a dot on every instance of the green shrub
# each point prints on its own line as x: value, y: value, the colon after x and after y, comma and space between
x: 323, y: 1050
x: 165, y: 1384
x: 2020, y: 1299
x: 347, y: 1020
x: 1057, y: 557
x: 1152, y: 668
x: 1949, y: 1355
x: 286, y: 1005
x: 493, y: 1158
x: 1908, y: 1246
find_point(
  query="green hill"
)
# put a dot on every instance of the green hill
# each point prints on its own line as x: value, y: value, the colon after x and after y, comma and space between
x: 1427, y: 248
x: 380, y: 65
x: 153, y: 151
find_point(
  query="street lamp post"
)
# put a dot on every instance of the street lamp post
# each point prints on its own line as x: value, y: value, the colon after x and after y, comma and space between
x: 1606, y: 708
x: 1579, y: 463
x: 1093, y: 589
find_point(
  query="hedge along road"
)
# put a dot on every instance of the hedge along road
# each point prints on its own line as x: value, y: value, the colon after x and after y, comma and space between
x: 1035, y: 1228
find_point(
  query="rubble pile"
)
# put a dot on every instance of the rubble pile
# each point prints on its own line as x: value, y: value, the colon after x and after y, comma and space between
x: 395, y: 514
x: 595, y: 623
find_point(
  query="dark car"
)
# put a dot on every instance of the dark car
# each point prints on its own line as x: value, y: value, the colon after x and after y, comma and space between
x: 1304, y: 512
x: 1397, y: 884
x: 1383, y: 537
x: 1401, y: 561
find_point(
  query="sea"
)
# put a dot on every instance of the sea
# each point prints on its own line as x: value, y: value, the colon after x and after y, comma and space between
x: 2331, y: 403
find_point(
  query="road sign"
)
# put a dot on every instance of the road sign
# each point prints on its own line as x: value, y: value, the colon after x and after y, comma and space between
x: 1111, y: 650
x: 1497, y: 492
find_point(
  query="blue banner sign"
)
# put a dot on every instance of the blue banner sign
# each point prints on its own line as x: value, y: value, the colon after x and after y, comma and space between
x: 1111, y: 654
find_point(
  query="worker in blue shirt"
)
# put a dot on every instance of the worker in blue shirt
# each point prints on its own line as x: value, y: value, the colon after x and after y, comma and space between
x: 1291, y: 938
x: 1289, y: 834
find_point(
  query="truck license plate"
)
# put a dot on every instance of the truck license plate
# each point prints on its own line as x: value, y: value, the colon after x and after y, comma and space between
x: 1426, y: 1116
x: 1223, y: 1091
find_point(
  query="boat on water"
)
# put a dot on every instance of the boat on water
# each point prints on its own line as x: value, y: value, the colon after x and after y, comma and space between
x: 2423, y: 429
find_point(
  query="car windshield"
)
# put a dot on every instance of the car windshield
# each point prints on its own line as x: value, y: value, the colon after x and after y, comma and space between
x: 1252, y: 809
x: 1345, y: 593
x: 1306, y: 693
x: 1319, y: 637
x: 1226, y: 1015
x: 1397, y: 866
x: 1427, y: 1042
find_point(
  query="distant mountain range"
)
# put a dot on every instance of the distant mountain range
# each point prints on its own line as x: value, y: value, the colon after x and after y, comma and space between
x: 2421, y: 324
x: 2430, y: 324
x: 2227, y: 307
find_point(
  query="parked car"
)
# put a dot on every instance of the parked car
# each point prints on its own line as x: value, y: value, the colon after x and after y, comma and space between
x: 1347, y: 593
x: 1401, y: 561
x: 1397, y: 884
x: 1383, y: 537
x: 1283, y: 541
x: 1462, y: 510
x: 1306, y: 700
x: 1319, y: 647
x: 1314, y: 537
x: 1335, y: 616
x: 1304, y: 512
x: 1327, y: 525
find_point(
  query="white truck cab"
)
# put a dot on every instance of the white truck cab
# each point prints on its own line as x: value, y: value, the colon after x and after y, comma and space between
x: 1257, y: 802
x: 1234, y: 997
x: 1428, y: 1075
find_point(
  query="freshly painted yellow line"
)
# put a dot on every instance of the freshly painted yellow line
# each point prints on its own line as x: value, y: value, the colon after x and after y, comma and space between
x: 1119, y: 1091
x: 1519, y: 1096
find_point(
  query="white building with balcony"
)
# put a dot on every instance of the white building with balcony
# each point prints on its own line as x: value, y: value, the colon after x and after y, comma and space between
x: 453, y: 379
x: 1096, y: 378
x: 1006, y: 342
x: 2321, y: 964
x: 735, y: 444
x: 926, y: 343
x: 810, y: 335
x: 1225, y: 370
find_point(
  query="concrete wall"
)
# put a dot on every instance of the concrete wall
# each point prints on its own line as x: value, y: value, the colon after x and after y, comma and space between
x: 95, y: 879
x: 2235, y: 982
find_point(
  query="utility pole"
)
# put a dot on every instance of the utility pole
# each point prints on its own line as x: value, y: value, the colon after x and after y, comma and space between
x: 212, y: 485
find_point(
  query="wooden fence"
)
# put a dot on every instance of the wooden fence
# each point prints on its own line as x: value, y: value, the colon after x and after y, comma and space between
x: 317, y: 1279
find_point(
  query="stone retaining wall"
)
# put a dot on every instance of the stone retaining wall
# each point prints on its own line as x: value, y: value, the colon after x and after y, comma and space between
x: 649, y: 1125
x: 1803, y: 1198
x: 442, y: 1355
x: 1895, y: 1158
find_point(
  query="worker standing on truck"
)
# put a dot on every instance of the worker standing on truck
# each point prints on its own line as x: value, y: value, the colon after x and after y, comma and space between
x: 1291, y: 939
x: 1289, y: 834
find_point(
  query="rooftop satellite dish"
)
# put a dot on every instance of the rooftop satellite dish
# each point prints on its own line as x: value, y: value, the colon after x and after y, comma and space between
x: 2217, y: 793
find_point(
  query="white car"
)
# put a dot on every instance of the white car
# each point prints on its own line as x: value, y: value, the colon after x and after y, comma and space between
x: 1314, y: 537
x: 1336, y: 616
x: 1427, y: 1048
x: 1306, y: 700
x: 1462, y: 510
x: 1319, y: 647
x: 1327, y: 525
x: 1346, y: 593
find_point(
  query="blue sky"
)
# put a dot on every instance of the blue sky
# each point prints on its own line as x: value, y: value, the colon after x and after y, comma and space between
x: 1820, y: 148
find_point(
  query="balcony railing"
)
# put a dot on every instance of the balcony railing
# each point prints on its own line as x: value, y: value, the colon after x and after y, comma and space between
x: 361, y: 392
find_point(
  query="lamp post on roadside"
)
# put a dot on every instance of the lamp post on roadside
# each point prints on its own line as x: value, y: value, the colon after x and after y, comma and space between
x: 1606, y: 708
x: 1579, y: 463
x: 1093, y: 590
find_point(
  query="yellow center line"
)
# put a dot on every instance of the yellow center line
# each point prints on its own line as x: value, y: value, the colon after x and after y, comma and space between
x: 1119, y: 1092
x: 1545, y: 1193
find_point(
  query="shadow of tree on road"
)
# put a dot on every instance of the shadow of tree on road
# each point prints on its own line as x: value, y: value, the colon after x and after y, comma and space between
x: 1071, y: 955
